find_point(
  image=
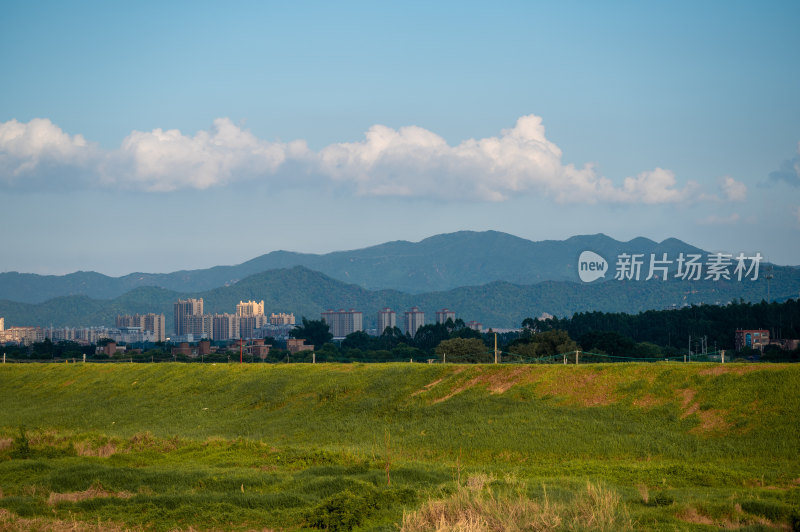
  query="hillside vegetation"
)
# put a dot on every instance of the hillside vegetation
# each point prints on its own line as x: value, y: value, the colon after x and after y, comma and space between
x: 499, y: 304
x: 357, y: 446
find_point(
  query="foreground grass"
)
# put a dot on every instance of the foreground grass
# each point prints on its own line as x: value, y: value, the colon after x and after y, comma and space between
x: 422, y: 447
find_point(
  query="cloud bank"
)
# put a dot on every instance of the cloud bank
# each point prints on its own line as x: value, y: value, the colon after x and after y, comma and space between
x: 789, y: 171
x: 408, y: 162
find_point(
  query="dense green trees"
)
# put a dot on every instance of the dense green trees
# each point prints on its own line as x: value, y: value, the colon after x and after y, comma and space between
x: 543, y: 344
x: 462, y: 350
x: 315, y: 332
x: 672, y: 330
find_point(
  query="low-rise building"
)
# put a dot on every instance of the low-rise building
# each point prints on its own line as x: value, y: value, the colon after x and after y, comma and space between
x: 752, y: 338
x: 295, y: 345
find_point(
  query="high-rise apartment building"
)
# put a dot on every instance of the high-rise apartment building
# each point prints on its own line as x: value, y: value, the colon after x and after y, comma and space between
x: 386, y: 318
x: 445, y: 314
x: 343, y: 322
x: 199, y: 326
x: 225, y: 327
x: 154, y: 323
x: 251, y: 308
x: 414, y: 319
x: 281, y: 319
x: 184, y: 309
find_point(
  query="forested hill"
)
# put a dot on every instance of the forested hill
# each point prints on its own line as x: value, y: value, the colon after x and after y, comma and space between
x: 441, y: 262
x: 307, y: 293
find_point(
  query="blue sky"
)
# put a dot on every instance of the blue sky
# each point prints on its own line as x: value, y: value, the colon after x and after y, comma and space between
x: 157, y: 136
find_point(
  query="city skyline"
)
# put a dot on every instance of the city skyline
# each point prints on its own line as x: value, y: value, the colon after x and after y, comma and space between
x: 132, y: 138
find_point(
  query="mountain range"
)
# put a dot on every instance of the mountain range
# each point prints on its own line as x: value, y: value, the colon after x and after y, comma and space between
x: 441, y: 262
x: 490, y: 260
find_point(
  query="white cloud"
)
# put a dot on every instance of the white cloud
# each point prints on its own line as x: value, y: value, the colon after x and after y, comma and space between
x: 410, y: 161
x: 413, y: 161
x: 36, y: 149
x: 168, y: 160
x: 734, y: 190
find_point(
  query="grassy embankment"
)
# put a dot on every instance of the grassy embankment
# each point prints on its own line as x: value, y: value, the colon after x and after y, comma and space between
x: 616, y: 446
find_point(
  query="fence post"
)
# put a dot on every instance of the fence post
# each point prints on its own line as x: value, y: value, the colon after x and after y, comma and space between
x: 565, y: 359
x: 577, y: 353
x: 723, y: 356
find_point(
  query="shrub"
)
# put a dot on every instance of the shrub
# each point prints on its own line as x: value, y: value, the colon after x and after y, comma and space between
x: 21, y: 448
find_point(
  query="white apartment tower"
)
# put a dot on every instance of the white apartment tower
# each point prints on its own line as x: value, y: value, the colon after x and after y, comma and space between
x: 414, y: 319
x: 386, y: 318
x: 443, y: 315
x: 343, y: 322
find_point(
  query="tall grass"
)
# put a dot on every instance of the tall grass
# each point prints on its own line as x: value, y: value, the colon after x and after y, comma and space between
x: 242, y: 447
x: 474, y: 508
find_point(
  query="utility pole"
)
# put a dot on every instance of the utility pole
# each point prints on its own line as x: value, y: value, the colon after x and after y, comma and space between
x: 768, y: 277
x: 495, y: 348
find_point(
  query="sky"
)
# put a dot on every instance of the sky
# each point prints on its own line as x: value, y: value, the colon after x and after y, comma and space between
x: 159, y: 136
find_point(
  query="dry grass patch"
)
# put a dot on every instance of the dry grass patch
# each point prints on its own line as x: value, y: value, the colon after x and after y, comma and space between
x: 688, y: 403
x: 477, y: 510
x: 88, y: 449
x: 738, y: 369
x: 427, y: 387
x: 711, y: 422
x: 648, y: 401
x: 11, y: 522
x: 95, y: 492
x: 691, y: 515
x: 497, y: 380
x: 6, y: 443
x: 587, y: 388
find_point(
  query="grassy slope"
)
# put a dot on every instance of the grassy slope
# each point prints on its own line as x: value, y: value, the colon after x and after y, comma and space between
x: 701, y: 431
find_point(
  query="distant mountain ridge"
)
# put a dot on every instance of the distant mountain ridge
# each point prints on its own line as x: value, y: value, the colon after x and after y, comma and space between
x: 498, y: 304
x: 441, y: 262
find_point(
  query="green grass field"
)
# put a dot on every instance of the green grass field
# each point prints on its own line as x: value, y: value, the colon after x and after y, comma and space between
x: 399, y: 446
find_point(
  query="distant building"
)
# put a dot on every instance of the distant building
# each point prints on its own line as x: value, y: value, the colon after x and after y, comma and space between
x: 199, y: 325
x: 2, y: 324
x: 343, y: 322
x: 281, y: 319
x: 475, y: 325
x: 386, y: 318
x: 154, y: 323
x: 110, y: 349
x: 251, y: 308
x: 259, y: 349
x: 414, y: 319
x: 225, y: 327
x: 787, y: 344
x: 755, y: 339
x: 295, y: 345
x: 183, y: 309
x: 183, y: 349
x: 22, y: 335
x: 445, y: 314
